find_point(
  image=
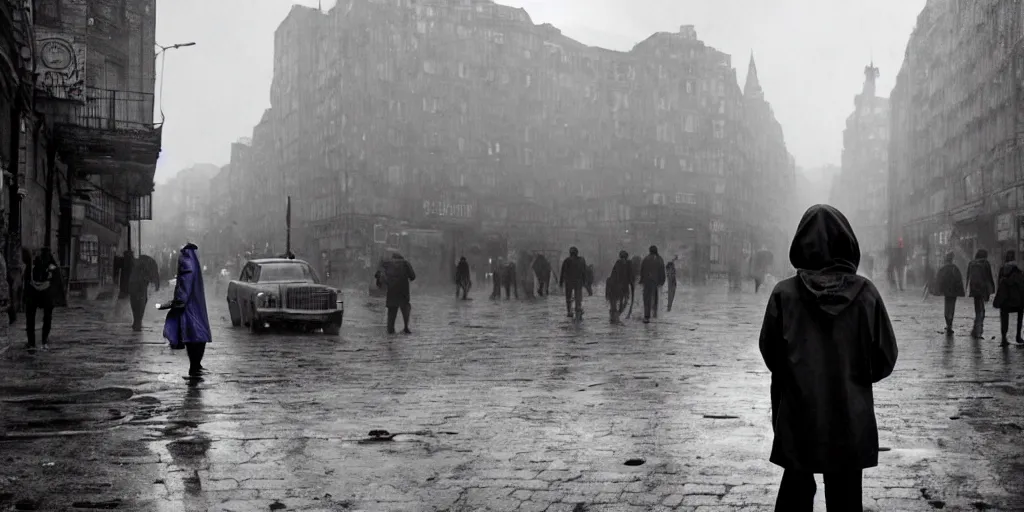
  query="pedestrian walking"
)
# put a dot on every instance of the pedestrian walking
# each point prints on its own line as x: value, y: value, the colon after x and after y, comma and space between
x: 508, y: 280
x: 463, y: 282
x: 187, y: 325
x: 760, y: 262
x: 949, y: 284
x: 144, y: 273
x: 588, y: 280
x: 826, y: 338
x: 1010, y: 296
x: 542, y: 269
x: 44, y: 290
x: 620, y: 287
x: 981, y: 285
x: 497, y: 270
x: 652, y: 277
x: 670, y: 275
x: 123, y: 271
x: 573, y: 275
x: 399, y: 274
x: 524, y: 280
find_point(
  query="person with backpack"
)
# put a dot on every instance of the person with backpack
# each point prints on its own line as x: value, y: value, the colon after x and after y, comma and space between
x: 949, y: 284
x: 826, y: 339
x: 1010, y: 296
x: 981, y: 285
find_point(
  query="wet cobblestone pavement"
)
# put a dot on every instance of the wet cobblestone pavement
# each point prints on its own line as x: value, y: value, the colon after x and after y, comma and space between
x: 493, y: 406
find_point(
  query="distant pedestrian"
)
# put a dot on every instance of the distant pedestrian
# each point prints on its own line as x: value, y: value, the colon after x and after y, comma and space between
x: 573, y: 275
x: 826, y: 338
x: 144, y: 273
x: 980, y: 285
x: 497, y: 269
x: 760, y: 262
x: 948, y: 283
x: 187, y: 325
x: 588, y: 280
x: 44, y: 289
x: 652, y: 277
x: 542, y: 269
x: 508, y: 280
x: 463, y: 282
x: 620, y: 287
x: 524, y: 278
x: 1010, y: 296
x: 670, y: 275
x: 399, y: 274
x: 123, y: 270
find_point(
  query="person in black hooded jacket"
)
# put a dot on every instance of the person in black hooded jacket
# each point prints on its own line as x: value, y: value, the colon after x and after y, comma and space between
x: 980, y: 286
x: 1010, y: 296
x: 949, y: 284
x: 826, y: 338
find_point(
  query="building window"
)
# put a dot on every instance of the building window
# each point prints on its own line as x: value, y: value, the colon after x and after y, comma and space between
x: 719, y: 129
x: 462, y: 145
x: 689, y: 123
x: 528, y: 157
x: 529, y: 80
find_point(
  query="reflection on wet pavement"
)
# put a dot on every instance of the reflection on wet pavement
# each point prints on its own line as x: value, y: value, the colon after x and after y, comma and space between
x: 503, y: 405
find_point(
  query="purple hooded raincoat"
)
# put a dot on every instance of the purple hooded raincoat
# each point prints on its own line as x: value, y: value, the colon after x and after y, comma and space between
x: 190, y: 323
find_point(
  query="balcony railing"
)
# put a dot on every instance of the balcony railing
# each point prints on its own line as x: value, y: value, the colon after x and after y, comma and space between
x: 108, y: 109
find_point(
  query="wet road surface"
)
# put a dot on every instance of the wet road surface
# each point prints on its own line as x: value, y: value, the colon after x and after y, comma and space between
x: 492, y: 405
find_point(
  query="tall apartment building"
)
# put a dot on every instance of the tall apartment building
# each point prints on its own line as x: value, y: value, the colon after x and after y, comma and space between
x: 956, y: 172
x: 451, y: 127
x: 861, y: 189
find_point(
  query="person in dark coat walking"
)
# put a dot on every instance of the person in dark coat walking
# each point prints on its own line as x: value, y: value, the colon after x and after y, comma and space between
x: 573, y: 275
x: 1010, y: 296
x: 542, y: 269
x: 760, y: 262
x: 826, y: 338
x: 399, y: 274
x: 144, y: 273
x: 980, y: 286
x: 619, y: 287
x: 588, y: 280
x: 670, y: 275
x: 462, y: 278
x: 187, y: 325
x: 949, y: 284
x: 123, y: 266
x: 44, y: 289
x: 497, y: 270
x: 652, y: 277
x: 508, y: 280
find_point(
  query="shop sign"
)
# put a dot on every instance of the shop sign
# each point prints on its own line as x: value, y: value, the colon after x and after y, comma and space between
x: 445, y: 209
x: 1004, y: 227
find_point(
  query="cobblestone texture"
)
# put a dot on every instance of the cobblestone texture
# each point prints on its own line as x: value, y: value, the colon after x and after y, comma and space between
x: 500, y: 406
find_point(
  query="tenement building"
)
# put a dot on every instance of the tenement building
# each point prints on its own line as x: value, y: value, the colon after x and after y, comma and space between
x: 860, y: 190
x: 459, y: 127
x: 955, y: 158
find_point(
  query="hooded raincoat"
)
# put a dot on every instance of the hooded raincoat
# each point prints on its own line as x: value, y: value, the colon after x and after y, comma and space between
x: 398, y: 273
x: 826, y: 338
x: 187, y: 321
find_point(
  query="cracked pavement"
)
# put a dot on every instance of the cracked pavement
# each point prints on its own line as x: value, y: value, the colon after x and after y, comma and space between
x: 492, y: 406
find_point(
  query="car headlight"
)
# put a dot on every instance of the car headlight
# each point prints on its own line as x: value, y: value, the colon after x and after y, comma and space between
x: 266, y: 300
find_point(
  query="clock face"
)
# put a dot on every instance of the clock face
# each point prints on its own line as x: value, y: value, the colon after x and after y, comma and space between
x: 57, y: 54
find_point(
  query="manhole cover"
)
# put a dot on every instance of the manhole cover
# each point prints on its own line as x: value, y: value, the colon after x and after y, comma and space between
x: 635, y: 462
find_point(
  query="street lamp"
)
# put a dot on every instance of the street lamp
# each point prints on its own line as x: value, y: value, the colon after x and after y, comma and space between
x: 163, y: 60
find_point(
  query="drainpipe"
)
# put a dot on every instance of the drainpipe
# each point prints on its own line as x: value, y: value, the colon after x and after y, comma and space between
x: 14, y: 192
x: 51, y: 171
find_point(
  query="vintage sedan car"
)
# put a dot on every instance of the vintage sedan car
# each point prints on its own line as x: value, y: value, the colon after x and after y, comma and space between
x: 284, y: 292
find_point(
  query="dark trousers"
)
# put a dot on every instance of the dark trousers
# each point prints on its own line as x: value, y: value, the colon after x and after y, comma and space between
x: 30, y: 322
x: 462, y: 288
x: 573, y: 293
x: 671, y: 294
x: 542, y: 287
x: 979, y: 317
x: 393, y: 315
x: 496, y: 292
x: 510, y: 288
x: 138, y: 301
x: 1004, y: 321
x: 949, y: 311
x: 842, y: 492
x: 195, y: 353
x: 650, y: 301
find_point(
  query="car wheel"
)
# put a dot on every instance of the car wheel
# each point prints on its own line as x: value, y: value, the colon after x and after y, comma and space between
x: 255, y: 326
x: 332, y: 329
x: 236, y: 316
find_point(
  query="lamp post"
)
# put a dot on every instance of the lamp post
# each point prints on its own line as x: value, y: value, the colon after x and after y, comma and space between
x: 163, y: 60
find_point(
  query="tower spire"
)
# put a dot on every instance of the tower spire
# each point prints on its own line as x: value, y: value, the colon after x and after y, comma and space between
x: 752, y: 89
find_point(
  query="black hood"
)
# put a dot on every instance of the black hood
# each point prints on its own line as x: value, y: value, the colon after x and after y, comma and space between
x: 826, y: 254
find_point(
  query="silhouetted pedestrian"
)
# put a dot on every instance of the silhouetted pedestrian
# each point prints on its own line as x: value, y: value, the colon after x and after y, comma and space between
x: 399, y: 274
x: 542, y: 269
x: 573, y: 275
x: 44, y: 290
x: 497, y: 269
x: 670, y: 275
x: 826, y: 338
x: 949, y: 284
x: 588, y: 280
x: 188, y: 325
x: 1010, y: 296
x: 462, y: 278
x: 981, y: 285
x: 508, y: 280
x: 619, y: 288
x: 144, y: 273
x: 652, y: 277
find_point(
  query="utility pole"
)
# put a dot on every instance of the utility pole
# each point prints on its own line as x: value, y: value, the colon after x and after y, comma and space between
x: 288, y: 228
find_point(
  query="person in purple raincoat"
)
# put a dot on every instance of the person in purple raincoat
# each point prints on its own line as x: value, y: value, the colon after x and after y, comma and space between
x: 188, y: 325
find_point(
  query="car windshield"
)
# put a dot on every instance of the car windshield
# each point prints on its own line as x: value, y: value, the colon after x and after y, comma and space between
x: 286, y: 272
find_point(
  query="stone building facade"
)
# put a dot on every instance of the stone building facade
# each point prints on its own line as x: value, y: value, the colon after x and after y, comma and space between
x: 956, y: 172
x: 444, y: 128
x: 861, y: 189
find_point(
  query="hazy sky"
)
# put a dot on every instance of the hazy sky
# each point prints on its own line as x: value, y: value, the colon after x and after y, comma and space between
x: 810, y: 57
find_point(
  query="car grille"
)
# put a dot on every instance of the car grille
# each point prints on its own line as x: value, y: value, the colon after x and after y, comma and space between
x: 310, y: 299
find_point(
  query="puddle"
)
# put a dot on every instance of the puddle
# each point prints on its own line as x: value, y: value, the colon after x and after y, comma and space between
x: 98, y: 396
x: 101, y: 505
x: 635, y: 462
